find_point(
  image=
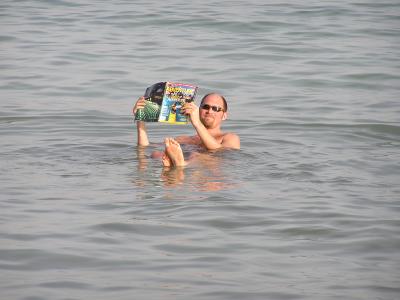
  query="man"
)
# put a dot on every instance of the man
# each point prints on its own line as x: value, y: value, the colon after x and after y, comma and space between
x: 206, y: 120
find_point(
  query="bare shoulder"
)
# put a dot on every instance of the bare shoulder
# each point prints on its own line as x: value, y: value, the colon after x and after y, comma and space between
x: 231, y: 140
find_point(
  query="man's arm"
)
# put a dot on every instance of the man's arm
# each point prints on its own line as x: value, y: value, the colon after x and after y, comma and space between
x: 192, y: 110
x: 208, y: 140
x: 142, y: 139
x: 230, y: 140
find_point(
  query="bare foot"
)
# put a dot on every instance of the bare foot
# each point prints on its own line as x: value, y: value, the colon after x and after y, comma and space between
x: 174, y: 152
x: 166, y: 161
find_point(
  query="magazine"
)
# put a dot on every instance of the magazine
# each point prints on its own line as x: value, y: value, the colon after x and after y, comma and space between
x: 164, y: 101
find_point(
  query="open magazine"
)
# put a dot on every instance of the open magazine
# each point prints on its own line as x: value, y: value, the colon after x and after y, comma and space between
x: 164, y: 101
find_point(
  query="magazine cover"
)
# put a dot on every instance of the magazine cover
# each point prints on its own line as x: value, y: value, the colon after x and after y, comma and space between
x: 154, y: 97
x: 164, y: 101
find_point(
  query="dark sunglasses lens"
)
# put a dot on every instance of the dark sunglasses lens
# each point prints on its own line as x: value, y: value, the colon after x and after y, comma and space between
x: 214, y: 108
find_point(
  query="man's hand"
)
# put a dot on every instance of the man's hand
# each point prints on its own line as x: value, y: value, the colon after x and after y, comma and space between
x: 140, y: 103
x: 192, y: 110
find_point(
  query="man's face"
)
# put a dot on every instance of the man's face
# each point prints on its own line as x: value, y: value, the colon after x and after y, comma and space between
x: 208, y: 116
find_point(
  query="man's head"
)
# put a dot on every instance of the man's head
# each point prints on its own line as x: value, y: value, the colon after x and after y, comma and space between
x: 213, y: 110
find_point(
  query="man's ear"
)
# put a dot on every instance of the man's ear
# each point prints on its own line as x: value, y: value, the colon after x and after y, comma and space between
x: 225, y: 116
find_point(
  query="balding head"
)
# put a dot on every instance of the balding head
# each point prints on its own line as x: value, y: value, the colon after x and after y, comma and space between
x: 225, y: 104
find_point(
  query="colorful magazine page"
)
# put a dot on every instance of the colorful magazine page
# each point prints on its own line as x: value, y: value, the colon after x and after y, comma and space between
x: 175, y: 96
x: 164, y: 101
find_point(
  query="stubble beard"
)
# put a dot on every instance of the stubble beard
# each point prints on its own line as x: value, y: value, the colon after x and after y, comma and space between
x: 208, y: 122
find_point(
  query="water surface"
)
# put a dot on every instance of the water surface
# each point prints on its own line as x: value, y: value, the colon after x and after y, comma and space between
x: 307, y: 209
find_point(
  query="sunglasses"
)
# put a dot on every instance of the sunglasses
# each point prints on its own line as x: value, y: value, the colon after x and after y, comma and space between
x: 213, y: 107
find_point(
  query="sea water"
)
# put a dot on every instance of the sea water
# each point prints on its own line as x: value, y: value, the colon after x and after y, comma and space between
x: 307, y: 209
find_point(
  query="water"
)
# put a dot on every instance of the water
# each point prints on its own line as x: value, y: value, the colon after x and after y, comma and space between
x: 307, y: 209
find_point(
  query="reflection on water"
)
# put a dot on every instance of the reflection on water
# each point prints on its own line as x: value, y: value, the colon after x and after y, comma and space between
x: 207, y: 171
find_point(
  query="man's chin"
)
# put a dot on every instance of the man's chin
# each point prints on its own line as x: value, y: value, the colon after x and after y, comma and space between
x: 208, y: 122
